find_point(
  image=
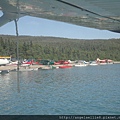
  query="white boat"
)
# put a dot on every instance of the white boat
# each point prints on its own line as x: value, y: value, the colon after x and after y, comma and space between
x: 25, y: 65
x: 3, y: 61
x: 13, y: 63
x: 80, y: 65
x: 93, y: 63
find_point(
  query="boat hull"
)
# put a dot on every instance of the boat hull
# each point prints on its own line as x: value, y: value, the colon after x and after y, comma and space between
x: 80, y: 65
x: 63, y: 67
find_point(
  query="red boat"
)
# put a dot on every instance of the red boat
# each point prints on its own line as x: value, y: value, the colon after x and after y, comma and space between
x: 65, y: 66
x: 61, y: 62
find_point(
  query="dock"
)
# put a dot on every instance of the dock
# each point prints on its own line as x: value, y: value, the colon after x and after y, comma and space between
x: 26, y: 68
x: 14, y: 67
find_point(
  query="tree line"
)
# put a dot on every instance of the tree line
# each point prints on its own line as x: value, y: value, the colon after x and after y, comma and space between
x: 54, y: 48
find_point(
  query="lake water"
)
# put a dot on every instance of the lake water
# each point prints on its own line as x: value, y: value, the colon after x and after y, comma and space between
x: 91, y: 90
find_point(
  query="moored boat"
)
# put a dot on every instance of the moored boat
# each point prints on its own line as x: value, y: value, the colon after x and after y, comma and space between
x: 80, y: 65
x: 4, y: 71
x: 65, y: 66
x: 93, y: 63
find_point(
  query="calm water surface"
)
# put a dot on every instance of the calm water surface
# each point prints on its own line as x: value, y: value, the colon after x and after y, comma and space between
x: 91, y: 90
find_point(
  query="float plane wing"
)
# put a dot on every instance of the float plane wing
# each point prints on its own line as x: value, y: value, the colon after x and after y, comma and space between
x: 99, y: 14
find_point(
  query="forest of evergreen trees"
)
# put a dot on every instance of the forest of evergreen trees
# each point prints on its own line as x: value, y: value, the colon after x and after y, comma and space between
x: 59, y: 48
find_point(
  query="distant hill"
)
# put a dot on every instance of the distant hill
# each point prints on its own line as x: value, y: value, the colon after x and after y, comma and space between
x: 59, y: 48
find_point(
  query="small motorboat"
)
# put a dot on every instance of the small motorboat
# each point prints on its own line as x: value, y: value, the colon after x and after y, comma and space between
x: 80, y: 65
x: 65, y: 66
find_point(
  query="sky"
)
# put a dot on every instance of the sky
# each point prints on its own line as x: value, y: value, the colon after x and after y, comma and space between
x: 42, y: 27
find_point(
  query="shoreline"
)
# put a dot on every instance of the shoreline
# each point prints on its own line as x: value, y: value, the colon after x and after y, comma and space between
x: 34, y: 67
